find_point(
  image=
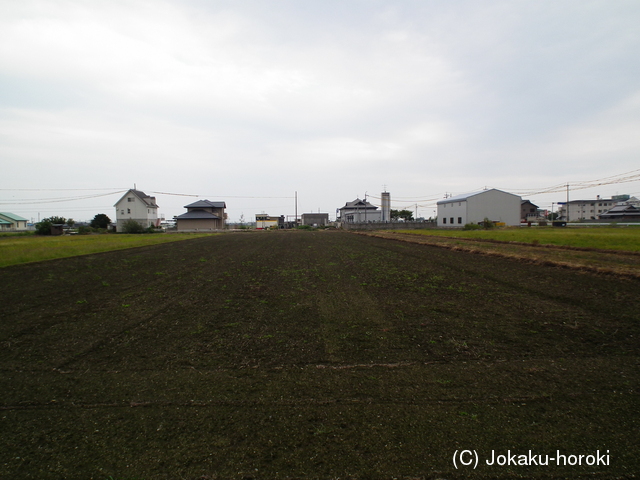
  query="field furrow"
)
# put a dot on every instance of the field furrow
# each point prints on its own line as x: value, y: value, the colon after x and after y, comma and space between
x: 312, y: 355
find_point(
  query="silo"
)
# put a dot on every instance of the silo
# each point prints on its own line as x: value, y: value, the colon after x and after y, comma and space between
x: 386, y: 207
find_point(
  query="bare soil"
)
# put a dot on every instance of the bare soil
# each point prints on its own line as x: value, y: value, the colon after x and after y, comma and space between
x: 313, y: 355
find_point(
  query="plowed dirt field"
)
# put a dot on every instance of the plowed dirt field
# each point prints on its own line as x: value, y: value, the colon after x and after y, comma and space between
x: 315, y: 355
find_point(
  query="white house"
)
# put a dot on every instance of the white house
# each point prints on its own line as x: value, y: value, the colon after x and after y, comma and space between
x: 136, y: 205
x: 359, y: 211
x: 496, y: 205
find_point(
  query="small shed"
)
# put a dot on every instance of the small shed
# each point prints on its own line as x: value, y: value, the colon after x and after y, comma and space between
x: 315, y: 219
x: 57, y: 229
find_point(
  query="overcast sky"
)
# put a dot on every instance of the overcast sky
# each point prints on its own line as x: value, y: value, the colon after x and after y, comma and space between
x: 249, y: 102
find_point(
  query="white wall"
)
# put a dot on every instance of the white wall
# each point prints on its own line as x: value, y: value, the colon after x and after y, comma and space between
x: 135, y: 210
x: 495, y: 205
x: 361, y: 217
x: 455, y: 210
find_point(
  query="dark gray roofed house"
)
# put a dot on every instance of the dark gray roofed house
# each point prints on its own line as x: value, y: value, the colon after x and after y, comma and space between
x: 528, y: 211
x: 622, y: 213
x: 202, y: 215
x: 359, y: 211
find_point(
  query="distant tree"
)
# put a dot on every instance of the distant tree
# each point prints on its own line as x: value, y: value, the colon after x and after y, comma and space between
x: 57, y: 220
x: 44, y: 227
x: 406, y: 215
x: 553, y: 216
x: 100, y: 221
x: 70, y: 222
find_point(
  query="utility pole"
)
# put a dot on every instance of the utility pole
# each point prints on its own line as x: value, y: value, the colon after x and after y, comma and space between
x: 567, y: 202
x: 365, y: 207
x: 295, y: 222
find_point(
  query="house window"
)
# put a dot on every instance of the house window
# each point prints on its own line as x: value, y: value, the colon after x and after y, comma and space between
x: 128, y: 210
x: 444, y: 220
x: 122, y: 212
x: 129, y: 199
x: 451, y: 220
x: 459, y: 219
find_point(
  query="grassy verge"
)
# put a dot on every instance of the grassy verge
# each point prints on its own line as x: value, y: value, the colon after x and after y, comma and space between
x: 26, y: 249
x: 605, y: 238
x: 618, y: 262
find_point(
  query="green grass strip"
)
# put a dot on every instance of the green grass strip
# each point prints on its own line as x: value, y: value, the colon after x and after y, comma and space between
x: 15, y: 250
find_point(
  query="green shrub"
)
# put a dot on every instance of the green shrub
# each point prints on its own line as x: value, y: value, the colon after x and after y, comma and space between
x: 472, y: 226
x: 131, y: 226
x: 82, y: 230
x: 487, y: 224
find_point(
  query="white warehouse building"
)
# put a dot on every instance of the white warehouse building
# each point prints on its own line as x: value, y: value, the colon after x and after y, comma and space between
x: 496, y: 205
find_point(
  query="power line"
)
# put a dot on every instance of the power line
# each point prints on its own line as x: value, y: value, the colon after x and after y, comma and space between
x: 211, y: 196
x: 35, y: 201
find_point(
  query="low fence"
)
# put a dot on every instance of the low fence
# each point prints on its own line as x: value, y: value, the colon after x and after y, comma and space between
x: 387, y: 226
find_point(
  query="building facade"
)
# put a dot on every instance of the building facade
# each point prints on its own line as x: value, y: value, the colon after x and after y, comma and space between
x: 359, y: 211
x: 528, y: 211
x: 493, y: 204
x: 588, y: 209
x: 138, y: 206
x: 10, y: 222
x: 315, y: 219
x: 265, y: 222
x: 202, y: 216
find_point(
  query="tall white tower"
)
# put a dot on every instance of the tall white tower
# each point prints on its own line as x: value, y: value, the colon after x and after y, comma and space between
x: 386, y: 207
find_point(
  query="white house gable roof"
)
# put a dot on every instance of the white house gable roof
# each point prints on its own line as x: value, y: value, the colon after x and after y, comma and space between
x: 146, y: 199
